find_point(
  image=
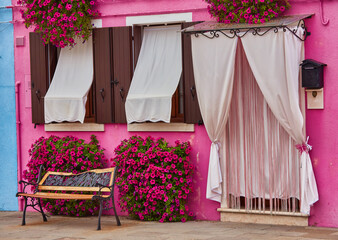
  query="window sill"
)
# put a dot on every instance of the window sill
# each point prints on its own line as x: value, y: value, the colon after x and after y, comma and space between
x: 74, y: 127
x: 161, y: 127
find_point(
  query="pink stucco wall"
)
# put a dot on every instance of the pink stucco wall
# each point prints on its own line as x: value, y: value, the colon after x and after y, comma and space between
x: 321, y: 124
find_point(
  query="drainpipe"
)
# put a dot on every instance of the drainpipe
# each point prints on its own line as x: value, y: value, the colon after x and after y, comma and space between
x: 18, y: 140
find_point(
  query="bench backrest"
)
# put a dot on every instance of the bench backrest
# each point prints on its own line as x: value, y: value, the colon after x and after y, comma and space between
x: 85, y: 181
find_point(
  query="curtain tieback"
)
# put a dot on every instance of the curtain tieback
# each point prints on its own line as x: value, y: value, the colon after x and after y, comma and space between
x: 217, y: 144
x: 304, y: 147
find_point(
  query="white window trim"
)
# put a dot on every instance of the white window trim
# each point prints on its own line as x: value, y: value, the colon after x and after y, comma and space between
x: 159, y: 19
x: 97, y: 23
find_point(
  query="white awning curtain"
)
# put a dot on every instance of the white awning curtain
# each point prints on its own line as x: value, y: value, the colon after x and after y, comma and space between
x: 274, y: 59
x: 67, y: 95
x: 156, y: 76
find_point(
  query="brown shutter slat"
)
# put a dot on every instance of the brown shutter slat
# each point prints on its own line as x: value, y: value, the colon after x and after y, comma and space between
x: 122, y: 65
x: 102, y: 75
x: 137, y: 43
x: 192, y: 112
x: 39, y: 76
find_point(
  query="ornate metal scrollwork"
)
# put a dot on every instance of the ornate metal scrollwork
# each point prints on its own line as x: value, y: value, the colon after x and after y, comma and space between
x: 259, y: 31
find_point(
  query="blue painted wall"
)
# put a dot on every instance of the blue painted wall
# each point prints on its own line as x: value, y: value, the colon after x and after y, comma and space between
x: 8, y: 152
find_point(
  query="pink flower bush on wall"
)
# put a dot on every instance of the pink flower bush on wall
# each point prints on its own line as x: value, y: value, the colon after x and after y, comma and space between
x: 246, y: 11
x: 67, y: 154
x: 60, y: 21
x: 154, y: 179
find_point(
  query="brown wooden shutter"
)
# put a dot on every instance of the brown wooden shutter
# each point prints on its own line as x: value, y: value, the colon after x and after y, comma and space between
x: 102, y: 75
x: 123, y: 69
x: 39, y: 76
x: 137, y: 43
x: 192, y: 112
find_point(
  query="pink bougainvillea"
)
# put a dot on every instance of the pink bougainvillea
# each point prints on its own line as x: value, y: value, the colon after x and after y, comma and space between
x: 246, y: 11
x: 67, y: 154
x: 60, y: 21
x: 154, y: 179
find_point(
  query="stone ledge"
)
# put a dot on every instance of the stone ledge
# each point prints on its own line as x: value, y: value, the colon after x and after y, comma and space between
x: 275, y: 218
x: 161, y: 127
x: 74, y: 127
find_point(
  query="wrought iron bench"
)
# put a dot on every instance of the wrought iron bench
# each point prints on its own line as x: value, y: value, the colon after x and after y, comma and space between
x: 99, y: 181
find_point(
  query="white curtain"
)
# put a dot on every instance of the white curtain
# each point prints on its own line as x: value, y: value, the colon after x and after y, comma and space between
x: 263, y: 163
x: 214, y: 62
x: 67, y: 95
x: 274, y: 59
x: 156, y: 76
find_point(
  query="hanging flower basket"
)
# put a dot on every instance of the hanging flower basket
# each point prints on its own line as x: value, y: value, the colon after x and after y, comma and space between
x: 246, y: 11
x: 60, y: 21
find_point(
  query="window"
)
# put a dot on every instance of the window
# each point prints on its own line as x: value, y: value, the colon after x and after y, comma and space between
x: 184, y: 101
x: 112, y: 74
x: 115, y: 53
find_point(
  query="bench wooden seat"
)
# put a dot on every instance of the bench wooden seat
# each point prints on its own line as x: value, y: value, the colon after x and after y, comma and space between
x: 100, y: 182
x: 61, y: 195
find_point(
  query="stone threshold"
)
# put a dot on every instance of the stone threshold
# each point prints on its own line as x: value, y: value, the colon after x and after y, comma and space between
x: 267, y: 217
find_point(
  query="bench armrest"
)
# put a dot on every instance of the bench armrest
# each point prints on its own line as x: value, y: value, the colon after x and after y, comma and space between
x: 25, y: 184
x: 102, y: 187
x: 31, y: 183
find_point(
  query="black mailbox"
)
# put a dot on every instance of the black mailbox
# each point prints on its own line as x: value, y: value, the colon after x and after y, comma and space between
x: 312, y: 74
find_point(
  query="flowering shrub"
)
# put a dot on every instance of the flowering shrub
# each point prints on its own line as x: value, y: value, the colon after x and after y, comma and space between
x: 67, y: 154
x: 246, y: 11
x: 154, y: 179
x: 59, y: 21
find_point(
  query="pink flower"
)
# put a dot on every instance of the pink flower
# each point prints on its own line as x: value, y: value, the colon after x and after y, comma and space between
x: 69, y: 6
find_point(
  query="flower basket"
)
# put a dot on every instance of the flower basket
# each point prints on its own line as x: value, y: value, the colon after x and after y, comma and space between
x: 246, y: 11
x: 60, y: 21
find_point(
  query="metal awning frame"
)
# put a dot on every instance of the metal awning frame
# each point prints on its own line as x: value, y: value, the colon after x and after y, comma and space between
x: 255, y: 29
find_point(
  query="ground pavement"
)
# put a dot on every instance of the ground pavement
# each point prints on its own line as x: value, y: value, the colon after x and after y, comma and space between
x: 72, y: 228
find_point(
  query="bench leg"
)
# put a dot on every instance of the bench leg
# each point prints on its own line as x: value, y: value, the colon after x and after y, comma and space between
x: 43, y: 214
x: 100, y: 212
x: 116, y: 216
x: 24, y: 213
